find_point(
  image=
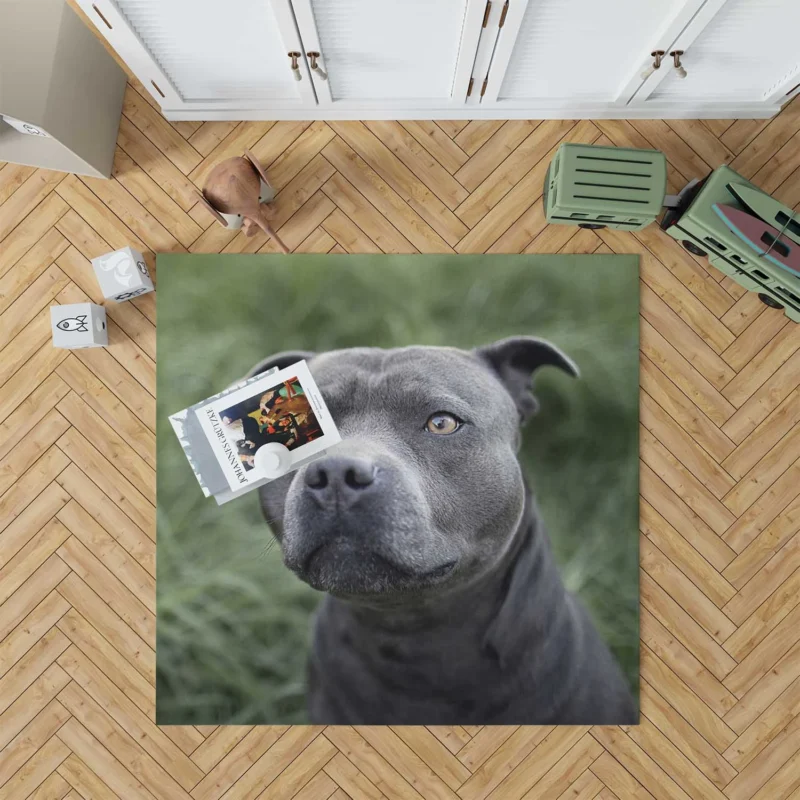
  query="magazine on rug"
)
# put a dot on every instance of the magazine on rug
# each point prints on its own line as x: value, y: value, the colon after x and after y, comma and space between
x: 255, y: 431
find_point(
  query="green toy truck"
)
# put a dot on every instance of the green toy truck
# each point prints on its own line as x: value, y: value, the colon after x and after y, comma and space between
x: 597, y: 187
x: 700, y: 230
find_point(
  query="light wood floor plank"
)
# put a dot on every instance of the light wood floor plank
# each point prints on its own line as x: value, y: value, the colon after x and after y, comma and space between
x: 91, y: 606
x: 684, y: 628
x: 41, y: 546
x: 476, y: 133
x: 348, y: 235
x: 31, y: 230
x: 503, y: 762
x: 32, y: 192
x: 346, y: 775
x: 453, y: 737
x: 684, y: 448
x: 618, y: 781
x: 31, y: 738
x: 12, y: 176
x: 771, y: 431
x: 301, y: 770
x: 452, y: 127
x: 275, y: 760
x: 643, y: 768
x: 228, y: 771
x: 101, y: 544
x: 686, y: 702
x: 144, y: 153
x: 761, y: 697
x: 38, y: 768
x: 437, y: 143
x: 101, y: 763
x: 94, y: 393
x: 95, y: 503
x: 769, y: 140
x: 682, y: 735
x: 676, y: 584
x: 499, y: 182
x: 384, y: 198
x: 769, y: 724
x: 435, y: 755
x: 159, y: 131
x: 351, y: 202
x: 136, y: 726
x: 31, y: 702
x: 283, y: 167
x: 138, y: 470
x: 108, y: 478
x: 30, y: 267
x: 31, y: 629
x: 381, y: 159
x: 208, y: 135
x: 108, y: 660
x: 113, y: 592
x: 31, y: 666
x: 152, y: 197
x: 83, y: 780
x: 39, y: 293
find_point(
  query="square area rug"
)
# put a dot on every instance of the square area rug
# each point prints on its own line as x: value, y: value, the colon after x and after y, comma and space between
x: 468, y: 553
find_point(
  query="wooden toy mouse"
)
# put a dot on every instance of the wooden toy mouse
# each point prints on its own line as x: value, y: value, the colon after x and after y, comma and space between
x: 233, y: 190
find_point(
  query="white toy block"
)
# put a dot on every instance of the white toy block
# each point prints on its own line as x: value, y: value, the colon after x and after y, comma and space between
x: 122, y: 274
x: 78, y: 325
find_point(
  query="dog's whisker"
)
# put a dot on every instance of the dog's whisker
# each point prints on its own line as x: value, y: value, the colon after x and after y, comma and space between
x: 267, y: 548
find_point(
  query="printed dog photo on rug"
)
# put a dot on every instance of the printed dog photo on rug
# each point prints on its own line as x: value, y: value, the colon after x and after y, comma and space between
x: 467, y: 554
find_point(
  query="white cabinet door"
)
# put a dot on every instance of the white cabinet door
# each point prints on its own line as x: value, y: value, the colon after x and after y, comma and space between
x: 747, y: 52
x: 578, y: 53
x: 412, y: 54
x: 208, y: 54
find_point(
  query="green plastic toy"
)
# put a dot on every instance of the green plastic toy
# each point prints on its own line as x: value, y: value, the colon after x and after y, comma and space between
x: 597, y: 187
x: 605, y: 187
x: 695, y: 224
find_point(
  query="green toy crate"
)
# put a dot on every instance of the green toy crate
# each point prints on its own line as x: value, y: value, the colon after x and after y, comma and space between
x: 697, y: 226
x: 598, y: 187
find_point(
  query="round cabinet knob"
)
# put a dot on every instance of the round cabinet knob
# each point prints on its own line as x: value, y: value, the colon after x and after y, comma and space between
x: 315, y: 68
x: 295, y: 65
x: 676, y: 59
x: 657, y: 56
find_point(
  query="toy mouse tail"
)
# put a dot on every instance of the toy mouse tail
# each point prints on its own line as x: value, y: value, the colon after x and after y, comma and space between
x: 270, y: 231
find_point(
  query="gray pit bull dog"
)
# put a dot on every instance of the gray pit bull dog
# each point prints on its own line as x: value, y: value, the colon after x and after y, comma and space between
x: 444, y: 605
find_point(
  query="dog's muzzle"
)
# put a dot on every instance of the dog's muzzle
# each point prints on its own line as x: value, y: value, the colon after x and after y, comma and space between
x: 339, y: 482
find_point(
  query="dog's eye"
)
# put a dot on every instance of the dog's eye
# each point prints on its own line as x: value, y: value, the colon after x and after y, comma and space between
x: 442, y: 423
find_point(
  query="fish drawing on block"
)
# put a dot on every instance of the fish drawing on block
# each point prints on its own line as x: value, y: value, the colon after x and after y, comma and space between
x: 769, y: 209
x: 77, y: 324
x: 120, y: 264
x: 761, y: 237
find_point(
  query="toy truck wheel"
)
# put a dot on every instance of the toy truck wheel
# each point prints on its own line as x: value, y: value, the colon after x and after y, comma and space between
x: 693, y: 248
x: 592, y: 226
x: 769, y: 301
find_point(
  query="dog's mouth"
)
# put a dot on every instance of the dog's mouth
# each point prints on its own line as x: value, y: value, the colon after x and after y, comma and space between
x: 340, y: 566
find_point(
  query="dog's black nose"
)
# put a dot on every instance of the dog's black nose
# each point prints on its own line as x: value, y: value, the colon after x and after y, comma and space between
x: 345, y: 477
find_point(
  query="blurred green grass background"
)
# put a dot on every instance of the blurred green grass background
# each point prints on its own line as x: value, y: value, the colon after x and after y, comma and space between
x: 233, y: 623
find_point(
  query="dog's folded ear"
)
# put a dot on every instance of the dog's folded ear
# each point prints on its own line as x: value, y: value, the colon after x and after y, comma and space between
x: 515, y: 361
x: 279, y: 360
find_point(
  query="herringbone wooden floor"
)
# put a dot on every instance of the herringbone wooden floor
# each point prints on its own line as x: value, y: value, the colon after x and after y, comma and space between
x: 720, y: 471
